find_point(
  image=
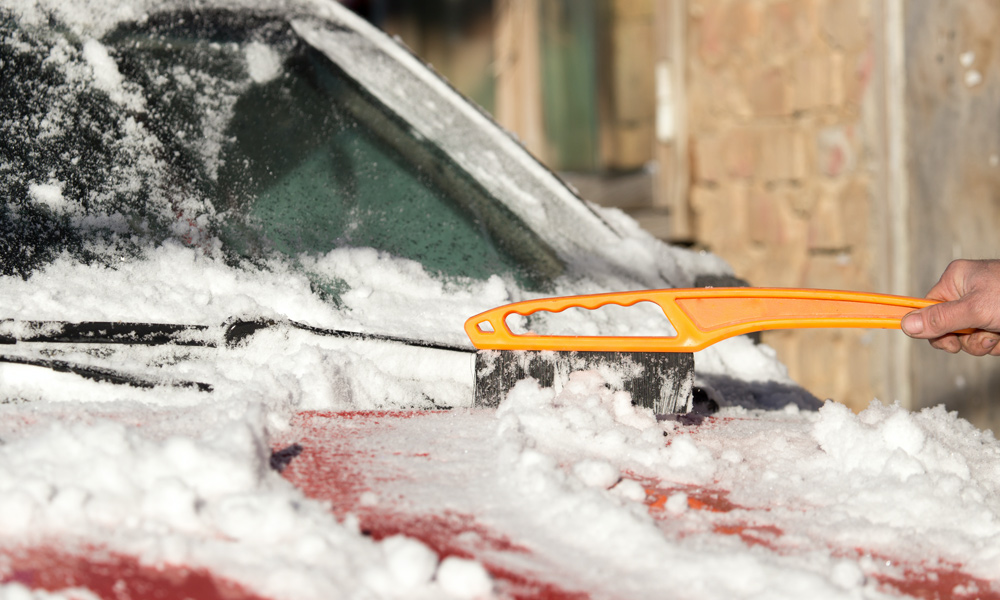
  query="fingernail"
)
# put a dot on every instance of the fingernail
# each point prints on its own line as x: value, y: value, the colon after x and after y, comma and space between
x: 988, y: 343
x: 913, y: 324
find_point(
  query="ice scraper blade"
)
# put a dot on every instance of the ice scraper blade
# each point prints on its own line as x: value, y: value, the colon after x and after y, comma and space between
x: 700, y: 317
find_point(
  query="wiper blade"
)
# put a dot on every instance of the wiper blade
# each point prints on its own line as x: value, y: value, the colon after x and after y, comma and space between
x: 105, y: 332
x: 102, y: 375
x: 158, y: 334
x: 237, y: 331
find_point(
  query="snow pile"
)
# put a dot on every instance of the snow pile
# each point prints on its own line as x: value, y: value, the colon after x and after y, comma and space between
x: 589, y: 424
x: 281, y: 367
x: 101, y: 472
x: 172, y: 284
x: 741, y: 358
x: 889, y: 481
x: 837, y: 495
x: 832, y: 489
x: 581, y: 459
x: 287, y: 367
x: 929, y: 474
x: 206, y: 497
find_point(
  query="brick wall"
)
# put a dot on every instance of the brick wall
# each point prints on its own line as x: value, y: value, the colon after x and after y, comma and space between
x: 780, y: 188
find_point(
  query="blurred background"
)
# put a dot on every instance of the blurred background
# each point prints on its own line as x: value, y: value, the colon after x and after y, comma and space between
x: 844, y: 144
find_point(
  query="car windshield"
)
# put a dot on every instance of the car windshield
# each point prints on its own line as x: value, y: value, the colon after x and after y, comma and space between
x: 227, y: 126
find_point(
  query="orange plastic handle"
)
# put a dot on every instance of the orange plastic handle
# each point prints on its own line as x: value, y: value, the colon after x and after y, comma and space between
x: 700, y: 316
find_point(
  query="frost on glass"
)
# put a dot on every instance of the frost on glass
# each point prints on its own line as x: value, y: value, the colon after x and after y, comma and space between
x: 226, y: 131
x: 75, y: 166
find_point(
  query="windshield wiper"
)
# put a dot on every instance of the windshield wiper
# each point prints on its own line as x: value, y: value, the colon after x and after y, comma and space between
x: 237, y: 331
x: 105, y: 332
x: 230, y: 334
x: 102, y: 375
x: 158, y: 334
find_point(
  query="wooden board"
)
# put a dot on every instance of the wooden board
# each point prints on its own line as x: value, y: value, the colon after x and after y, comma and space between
x: 953, y: 177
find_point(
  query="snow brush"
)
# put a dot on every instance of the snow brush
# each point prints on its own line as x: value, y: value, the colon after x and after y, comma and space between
x: 700, y: 317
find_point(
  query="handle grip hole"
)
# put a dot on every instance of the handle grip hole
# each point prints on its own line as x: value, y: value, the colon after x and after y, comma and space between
x: 643, y: 319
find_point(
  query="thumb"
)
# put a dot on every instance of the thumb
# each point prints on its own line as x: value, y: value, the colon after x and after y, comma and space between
x: 938, y: 319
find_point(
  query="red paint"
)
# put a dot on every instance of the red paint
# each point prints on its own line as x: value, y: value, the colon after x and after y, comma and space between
x: 753, y: 535
x: 919, y: 580
x: 363, y: 416
x: 334, y: 466
x: 698, y: 498
x: 439, y: 531
x: 939, y: 583
x: 715, y: 501
x: 711, y: 500
x: 115, y: 576
x: 930, y: 582
x: 337, y: 465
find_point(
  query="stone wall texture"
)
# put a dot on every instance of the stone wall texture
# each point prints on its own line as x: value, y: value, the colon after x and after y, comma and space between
x: 779, y: 188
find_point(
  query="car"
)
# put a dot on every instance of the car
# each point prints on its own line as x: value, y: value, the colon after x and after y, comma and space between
x: 239, y: 242
x: 319, y: 151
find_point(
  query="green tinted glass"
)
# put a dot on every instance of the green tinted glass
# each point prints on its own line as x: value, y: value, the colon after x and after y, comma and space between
x: 307, y: 161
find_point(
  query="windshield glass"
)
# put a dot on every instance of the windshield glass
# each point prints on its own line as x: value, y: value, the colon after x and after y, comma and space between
x: 252, y: 137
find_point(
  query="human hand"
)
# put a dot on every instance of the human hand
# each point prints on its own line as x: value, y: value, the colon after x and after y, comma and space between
x: 970, y: 291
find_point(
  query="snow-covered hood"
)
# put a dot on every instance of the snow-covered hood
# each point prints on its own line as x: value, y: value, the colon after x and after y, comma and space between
x: 305, y: 473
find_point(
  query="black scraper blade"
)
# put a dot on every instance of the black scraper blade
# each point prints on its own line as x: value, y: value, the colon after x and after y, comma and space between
x: 662, y: 381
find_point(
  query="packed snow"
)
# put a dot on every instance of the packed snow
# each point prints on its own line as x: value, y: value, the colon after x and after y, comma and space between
x: 174, y: 474
x: 565, y: 472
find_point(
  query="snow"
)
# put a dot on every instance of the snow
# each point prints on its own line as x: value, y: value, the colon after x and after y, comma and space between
x: 887, y: 480
x: 106, y: 75
x: 187, y: 473
x: 463, y: 578
x: 205, y: 498
x: 17, y: 591
x: 410, y: 562
x: 263, y: 63
x: 49, y: 195
x: 174, y: 475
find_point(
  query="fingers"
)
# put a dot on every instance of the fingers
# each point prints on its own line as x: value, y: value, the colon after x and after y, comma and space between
x: 948, y: 343
x: 980, y: 343
x: 970, y: 295
x: 939, y: 319
x: 913, y: 324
